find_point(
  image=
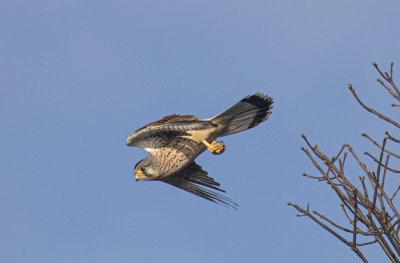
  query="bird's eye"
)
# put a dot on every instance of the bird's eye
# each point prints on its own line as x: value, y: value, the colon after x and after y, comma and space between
x: 143, y: 169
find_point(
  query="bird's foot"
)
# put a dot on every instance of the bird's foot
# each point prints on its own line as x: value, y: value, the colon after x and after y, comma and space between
x: 216, y: 147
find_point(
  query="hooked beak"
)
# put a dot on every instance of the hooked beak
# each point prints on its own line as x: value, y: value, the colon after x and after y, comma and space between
x: 137, y: 177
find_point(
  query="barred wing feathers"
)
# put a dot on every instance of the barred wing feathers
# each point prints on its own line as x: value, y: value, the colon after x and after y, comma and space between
x: 172, y: 123
x: 192, y: 178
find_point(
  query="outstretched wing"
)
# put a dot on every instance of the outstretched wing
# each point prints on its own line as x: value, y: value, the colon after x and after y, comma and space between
x: 168, y: 125
x: 192, y: 178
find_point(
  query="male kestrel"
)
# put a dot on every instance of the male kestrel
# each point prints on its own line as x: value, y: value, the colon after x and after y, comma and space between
x: 175, y: 141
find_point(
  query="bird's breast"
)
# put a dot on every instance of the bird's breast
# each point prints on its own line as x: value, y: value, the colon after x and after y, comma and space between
x: 175, y: 155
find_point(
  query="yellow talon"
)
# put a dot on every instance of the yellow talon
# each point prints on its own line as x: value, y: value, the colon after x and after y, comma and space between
x: 215, y: 147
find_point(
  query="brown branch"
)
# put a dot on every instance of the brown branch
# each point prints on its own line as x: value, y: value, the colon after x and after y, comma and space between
x: 355, y: 218
x: 391, y: 137
x: 319, y: 178
x: 380, y: 72
x: 384, y: 171
x: 367, y: 243
x: 345, y: 212
x: 391, y: 70
x: 388, y: 78
x: 356, y: 230
x: 398, y: 188
x: 380, y: 115
x: 338, y: 192
x: 344, y: 160
x: 378, y: 145
x: 395, y: 223
x: 340, y: 151
x: 336, y: 172
x: 354, y: 248
x: 378, y: 174
x: 313, y: 177
x: 388, y: 89
x: 389, y: 201
x: 362, y: 165
x: 332, y: 223
x: 362, y: 179
x: 376, y: 160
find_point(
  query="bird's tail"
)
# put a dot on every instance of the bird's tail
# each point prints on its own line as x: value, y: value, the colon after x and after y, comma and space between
x: 246, y: 114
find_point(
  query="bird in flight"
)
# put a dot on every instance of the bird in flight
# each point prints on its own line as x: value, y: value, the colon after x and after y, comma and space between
x: 175, y: 141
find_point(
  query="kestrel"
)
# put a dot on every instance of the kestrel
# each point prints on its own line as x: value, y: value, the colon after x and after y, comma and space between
x: 175, y: 141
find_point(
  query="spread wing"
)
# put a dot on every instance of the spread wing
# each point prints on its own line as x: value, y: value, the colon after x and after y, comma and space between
x: 192, y: 178
x: 173, y: 124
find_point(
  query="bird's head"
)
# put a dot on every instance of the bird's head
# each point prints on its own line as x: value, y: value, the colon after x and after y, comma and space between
x: 144, y: 170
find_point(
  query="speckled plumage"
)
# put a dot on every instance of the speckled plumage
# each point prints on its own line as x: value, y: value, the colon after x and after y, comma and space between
x: 175, y: 141
x: 175, y: 154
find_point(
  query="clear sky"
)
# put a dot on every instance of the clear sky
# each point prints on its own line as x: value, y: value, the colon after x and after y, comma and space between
x: 77, y: 77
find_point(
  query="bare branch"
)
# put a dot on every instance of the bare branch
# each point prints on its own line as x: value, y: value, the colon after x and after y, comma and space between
x: 377, y: 144
x: 398, y: 188
x: 388, y: 89
x: 391, y: 137
x: 378, y: 174
x: 354, y: 248
x: 355, y: 218
x: 384, y: 172
x: 380, y: 115
x: 367, y: 243
x: 388, y: 78
x: 376, y: 160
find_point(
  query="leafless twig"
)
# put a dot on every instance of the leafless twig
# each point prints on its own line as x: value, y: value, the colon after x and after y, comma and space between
x: 370, y: 212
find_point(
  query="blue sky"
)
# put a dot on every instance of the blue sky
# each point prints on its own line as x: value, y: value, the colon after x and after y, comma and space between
x: 77, y: 77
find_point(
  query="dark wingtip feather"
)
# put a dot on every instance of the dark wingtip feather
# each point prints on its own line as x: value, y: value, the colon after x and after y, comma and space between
x: 192, y: 178
x: 264, y: 105
x: 259, y: 99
